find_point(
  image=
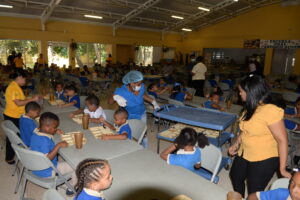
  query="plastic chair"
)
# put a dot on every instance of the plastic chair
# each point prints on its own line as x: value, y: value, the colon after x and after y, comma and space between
x: 82, y: 101
x: 280, y: 183
x: 175, y: 102
x: 211, y: 158
x: 192, y: 91
x: 11, y: 131
x: 109, y: 116
x: 290, y: 96
x: 52, y: 194
x: 138, y: 129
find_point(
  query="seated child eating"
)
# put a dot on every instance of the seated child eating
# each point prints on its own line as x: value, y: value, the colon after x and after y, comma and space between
x: 162, y: 85
x: 154, y: 91
x: 42, y: 141
x: 94, y: 176
x: 293, y: 112
x: 93, y: 109
x: 72, y: 98
x: 27, y: 123
x: 178, y: 94
x: 121, y: 126
x: 187, y: 145
x: 213, y: 102
x: 59, y: 92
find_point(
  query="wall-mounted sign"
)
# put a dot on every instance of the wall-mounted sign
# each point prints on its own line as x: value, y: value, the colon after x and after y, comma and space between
x: 252, y: 44
x: 278, y: 44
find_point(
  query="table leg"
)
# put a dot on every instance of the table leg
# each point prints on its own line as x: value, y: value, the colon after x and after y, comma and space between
x: 158, y: 144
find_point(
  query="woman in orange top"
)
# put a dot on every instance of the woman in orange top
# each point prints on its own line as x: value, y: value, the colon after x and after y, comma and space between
x: 15, y: 106
x: 262, y: 144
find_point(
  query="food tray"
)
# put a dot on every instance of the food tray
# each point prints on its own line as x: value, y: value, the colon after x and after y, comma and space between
x: 70, y: 138
x: 100, y: 130
x: 57, y: 102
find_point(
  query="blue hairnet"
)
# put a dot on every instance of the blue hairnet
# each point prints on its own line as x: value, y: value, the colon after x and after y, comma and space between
x: 132, y: 77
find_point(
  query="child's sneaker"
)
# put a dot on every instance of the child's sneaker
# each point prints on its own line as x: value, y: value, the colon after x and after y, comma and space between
x: 69, y: 193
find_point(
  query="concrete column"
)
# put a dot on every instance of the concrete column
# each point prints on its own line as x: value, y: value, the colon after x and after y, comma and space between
x: 268, y: 61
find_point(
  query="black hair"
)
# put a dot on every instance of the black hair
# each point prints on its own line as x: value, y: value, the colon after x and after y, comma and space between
x: 122, y: 111
x: 70, y: 87
x: 17, y: 73
x: 199, y: 59
x: 188, y: 136
x: 59, y: 83
x: 214, y: 93
x: 219, y: 91
x: 176, y: 89
x: 164, y: 79
x: 150, y: 87
x: 257, y: 92
x: 93, y: 99
x: 48, y: 117
x: 297, y: 100
x: 87, y: 171
x: 32, y: 106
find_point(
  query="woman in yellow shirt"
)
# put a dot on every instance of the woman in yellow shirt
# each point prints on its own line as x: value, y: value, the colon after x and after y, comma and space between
x: 15, y: 106
x: 19, y: 61
x: 262, y: 144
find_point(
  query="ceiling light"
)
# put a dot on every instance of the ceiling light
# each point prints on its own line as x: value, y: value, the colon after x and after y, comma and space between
x: 186, y: 29
x: 5, y: 6
x: 236, y: 0
x: 205, y: 9
x: 93, y: 16
x: 177, y: 17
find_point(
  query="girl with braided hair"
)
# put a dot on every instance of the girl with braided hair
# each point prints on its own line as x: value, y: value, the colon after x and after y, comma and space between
x: 93, y: 177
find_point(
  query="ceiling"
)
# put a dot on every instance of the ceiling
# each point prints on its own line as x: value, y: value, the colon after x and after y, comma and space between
x: 146, y: 14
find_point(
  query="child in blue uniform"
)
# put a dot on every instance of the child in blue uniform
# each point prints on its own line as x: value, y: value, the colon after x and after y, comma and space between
x: 162, y: 84
x: 94, y: 176
x: 153, y: 90
x: 72, y: 98
x: 178, y: 93
x: 42, y: 141
x: 121, y: 126
x: 59, y: 92
x: 213, y: 102
x: 27, y: 123
x: 187, y: 145
x: 293, y: 112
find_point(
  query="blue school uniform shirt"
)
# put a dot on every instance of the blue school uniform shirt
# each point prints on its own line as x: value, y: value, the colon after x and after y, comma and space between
x: 75, y: 98
x: 85, y: 196
x: 180, y: 96
x: 278, y: 194
x: 290, y: 111
x: 290, y: 124
x: 135, y: 103
x: 154, y: 94
x: 125, y: 128
x: 43, y: 143
x: 208, y: 104
x: 60, y: 95
x: 185, y: 159
x: 27, y: 126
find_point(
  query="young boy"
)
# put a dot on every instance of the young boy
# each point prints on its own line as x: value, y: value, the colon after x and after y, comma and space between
x: 154, y: 90
x: 213, y: 102
x: 72, y: 98
x: 122, y: 127
x: 27, y: 123
x: 293, y: 112
x: 59, y: 92
x: 42, y: 141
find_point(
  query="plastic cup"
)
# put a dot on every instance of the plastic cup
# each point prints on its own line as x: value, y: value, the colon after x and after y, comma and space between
x: 78, y: 140
x: 228, y: 104
x: 234, y: 196
x: 85, y: 121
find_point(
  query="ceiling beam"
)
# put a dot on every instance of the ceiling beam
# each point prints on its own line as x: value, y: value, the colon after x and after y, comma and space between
x: 48, y: 11
x: 134, y: 13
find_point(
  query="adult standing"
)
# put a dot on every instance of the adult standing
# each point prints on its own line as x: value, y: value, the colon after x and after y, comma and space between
x: 190, y: 67
x: 41, y: 60
x: 19, y: 61
x: 10, y: 59
x: 262, y: 144
x: 198, y: 76
x: 15, y: 106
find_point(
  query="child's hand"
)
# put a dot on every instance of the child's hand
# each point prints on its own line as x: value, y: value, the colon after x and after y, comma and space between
x: 222, y: 109
x: 62, y: 144
x: 60, y: 132
x: 103, y: 137
x: 71, y: 115
x: 101, y: 120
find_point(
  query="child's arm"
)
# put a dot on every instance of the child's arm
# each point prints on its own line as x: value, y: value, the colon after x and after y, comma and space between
x: 188, y: 96
x: 68, y: 104
x: 122, y: 136
x: 105, y: 123
x: 77, y: 112
x: 162, y: 91
x: 216, y: 106
x: 54, y: 151
x: 167, y: 151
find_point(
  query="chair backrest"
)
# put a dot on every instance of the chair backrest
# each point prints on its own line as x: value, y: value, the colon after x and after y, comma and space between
x: 280, y: 183
x: 211, y: 158
x: 32, y: 160
x: 82, y: 101
x: 290, y: 96
x: 109, y: 116
x: 52, y: 194
x: 11, y: 131
x: 224, y: 86
x: 175, y: 102
x: 138, y: 129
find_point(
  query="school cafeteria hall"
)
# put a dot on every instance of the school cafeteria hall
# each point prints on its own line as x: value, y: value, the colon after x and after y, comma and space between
x: 150, y: 99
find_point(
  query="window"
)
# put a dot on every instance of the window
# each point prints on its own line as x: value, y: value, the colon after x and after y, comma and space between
x: 218, y: 55
x: 28, y: 48
x: 58, y: 53
x: 144, y: 55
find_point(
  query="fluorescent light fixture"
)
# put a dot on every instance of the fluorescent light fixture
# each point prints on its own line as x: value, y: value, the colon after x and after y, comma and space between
x: 186, y: 29
x: 93, y: 16
x: 5, y: 6
x: 236, y: 0
x: 205, y: 9
x: 177, y: 17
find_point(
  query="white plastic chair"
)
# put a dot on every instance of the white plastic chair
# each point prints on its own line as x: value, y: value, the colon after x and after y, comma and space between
x: 52, y: 194
x: 290, y: 96
x: 138, y: 129
x: 33, y: 161
x: 280, y: 183
x: 211, y: 158
x: 82, y: 101
x: 109, y: 116
x: 175, y: 102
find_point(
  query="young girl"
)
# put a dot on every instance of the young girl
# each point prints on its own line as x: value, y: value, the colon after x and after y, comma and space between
x: 59, y: 91
x: 93, y: 177
x: 72, y: 98
x: 213, y: 102
x: 93, y: 109
x: 187, y: 145
x: 178, y: 94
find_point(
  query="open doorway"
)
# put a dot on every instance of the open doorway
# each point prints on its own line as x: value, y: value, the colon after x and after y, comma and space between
x: 283, y: 61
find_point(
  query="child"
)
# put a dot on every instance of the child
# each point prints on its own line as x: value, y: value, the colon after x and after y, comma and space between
x: 72, y: 98
x: 162, y: 83
x: 154, y: 91
x: 93, y: 177
x: 178, y: 95
x: 293, y: 112
x: 59, y: 92
x: 213, y: 102
x: 27, y: 123
x: 188, y: 154
x: 42, y: 141
x: 122, y: 127
x: 93, y: 109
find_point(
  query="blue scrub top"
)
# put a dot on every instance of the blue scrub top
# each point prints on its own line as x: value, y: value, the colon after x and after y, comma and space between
x: 278, y: 194
x: 135, y: 103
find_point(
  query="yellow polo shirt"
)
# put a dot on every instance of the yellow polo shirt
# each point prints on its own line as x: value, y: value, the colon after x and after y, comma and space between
x: 18, y: 62
x: 258, y: 142
x: 14, y: 91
